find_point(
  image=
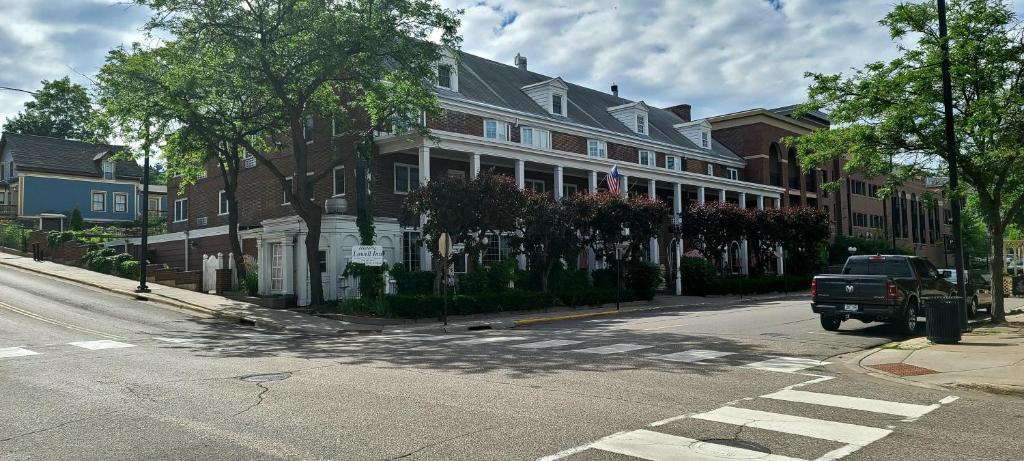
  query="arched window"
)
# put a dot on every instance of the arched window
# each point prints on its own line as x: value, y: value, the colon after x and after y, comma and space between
x: 794, y: 169
x: 774, y: 165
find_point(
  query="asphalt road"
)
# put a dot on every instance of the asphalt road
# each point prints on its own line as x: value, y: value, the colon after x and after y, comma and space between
x: 86, y: 375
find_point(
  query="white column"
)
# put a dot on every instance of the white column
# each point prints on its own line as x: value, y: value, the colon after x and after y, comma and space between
x: 474, y: 165
x: 700, y: 195
x: 521, y: 182
x: 744, y: 249
x: 721, y: 196
x: 558, y: 182
x: 677, y: 202
x: 425, y: 255
x: 592, y: 176
x: 779, y: 259
x: 653, y: 194
x: 760, y: 202
x: 263, y: 260
x: 624, y: 186
x: 289, y: 265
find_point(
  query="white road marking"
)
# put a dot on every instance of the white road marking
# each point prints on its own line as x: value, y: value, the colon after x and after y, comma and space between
x: 669, y: 420
x: 488, y: 339
x: 786, y: 364
x: 546, y: 344
x: 839, y: 453
x: 789, y: 424
x: 101, y: 344
x: 175, y: 340
x: 664, y: 447
x: 613, y: 349
x: 693, y: 356
x: 9, y: 352
x: 907, y: 410
x: 949, y: 400
x: 420, y: 337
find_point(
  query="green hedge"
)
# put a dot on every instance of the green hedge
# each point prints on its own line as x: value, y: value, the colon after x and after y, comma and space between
x: 755, y: 285
x: 14, y: 236
x: 109, y: 261
x: 412, y: 282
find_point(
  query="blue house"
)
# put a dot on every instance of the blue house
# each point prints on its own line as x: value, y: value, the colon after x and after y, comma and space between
x: 43, y: 179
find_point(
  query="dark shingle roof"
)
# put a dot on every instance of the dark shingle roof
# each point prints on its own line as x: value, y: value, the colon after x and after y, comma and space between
x: 64, y: 156
x: 489, y: 82
x: 815, y: 116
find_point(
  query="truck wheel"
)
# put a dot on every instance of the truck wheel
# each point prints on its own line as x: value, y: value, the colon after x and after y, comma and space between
x: 831, y: 322
x: 972, y: 307
x: 907, y: 326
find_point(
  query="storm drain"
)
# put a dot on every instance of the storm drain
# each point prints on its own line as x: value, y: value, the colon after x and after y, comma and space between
x: 741, y: 444
x: 902, y: 369
x: 266, y: 377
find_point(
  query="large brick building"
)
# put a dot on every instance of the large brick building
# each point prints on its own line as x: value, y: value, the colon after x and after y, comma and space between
x: 757, y: 135
x: 549, y: 134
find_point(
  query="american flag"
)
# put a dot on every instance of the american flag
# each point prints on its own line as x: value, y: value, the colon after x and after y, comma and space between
x: 612, y: 178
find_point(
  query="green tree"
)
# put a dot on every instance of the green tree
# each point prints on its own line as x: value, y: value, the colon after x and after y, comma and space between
x: 367, y: 62
x: 892, y: 113
x: 61, y: 109
x: 75, y: 221
x: 548, y: 234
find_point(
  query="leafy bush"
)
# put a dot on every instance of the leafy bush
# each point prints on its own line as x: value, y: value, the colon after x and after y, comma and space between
x: 604, y: 278
x: 101, y: 260
x: 571, y: 285
x: 754, y: 285
x: 14, y: 236
x: 698, y: 274
x: 75, y: 221
x: 492, y: 278
x: 128, y: 269
x: 412, y: 282
x: 430, y: 306
x: 251, y: 282
x: 838, y: 250
x: 371, y: 279
x: 642, y: 279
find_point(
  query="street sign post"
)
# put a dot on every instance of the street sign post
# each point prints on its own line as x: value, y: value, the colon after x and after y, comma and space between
x: 444, y: 248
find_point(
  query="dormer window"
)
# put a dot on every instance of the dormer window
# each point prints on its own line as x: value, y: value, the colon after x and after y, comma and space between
x: 633, y: 115
x: 704, y: 140
x: 697, y: 131
x: 556, y: 104
x: 108, y: 169
x: 641, y: 124
x: 444, y: 76
x: 551, y: 95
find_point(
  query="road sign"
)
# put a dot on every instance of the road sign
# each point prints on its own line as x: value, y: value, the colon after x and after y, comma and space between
x: 444, y: 245
x: 370, y: 255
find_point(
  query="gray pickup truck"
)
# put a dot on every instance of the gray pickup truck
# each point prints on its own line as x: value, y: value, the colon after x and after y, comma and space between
x: 879, y: 288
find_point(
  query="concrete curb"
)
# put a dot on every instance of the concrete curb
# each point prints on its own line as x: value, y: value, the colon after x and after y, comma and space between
x: 160, y: 299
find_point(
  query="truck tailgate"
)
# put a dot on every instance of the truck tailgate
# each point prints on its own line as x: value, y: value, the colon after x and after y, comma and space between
x: 851, y: 288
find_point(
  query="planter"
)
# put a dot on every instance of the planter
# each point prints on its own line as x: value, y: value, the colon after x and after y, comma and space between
x: 276, y: 302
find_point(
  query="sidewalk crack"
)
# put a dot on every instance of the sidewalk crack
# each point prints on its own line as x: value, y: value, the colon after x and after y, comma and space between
x: 259, y: 398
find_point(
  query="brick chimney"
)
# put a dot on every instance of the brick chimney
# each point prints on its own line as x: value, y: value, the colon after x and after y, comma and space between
x: 520, y: 61
x: 681, y: 110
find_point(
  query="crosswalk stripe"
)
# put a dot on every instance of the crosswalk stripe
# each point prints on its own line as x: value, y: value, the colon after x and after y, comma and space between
x: 10, y: 352
x: 789, y: 424
x: 174, y: 340
x: 908, y: 410
x: 786, y: 364
x: 547, y: 344
x: 488, y: 339
x: 664, y: 447
x: 693, y: 356
x: 613, y: 349
x: 101, y: 344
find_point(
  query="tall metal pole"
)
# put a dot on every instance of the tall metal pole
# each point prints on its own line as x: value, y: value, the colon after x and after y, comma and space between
x: 144, y: 250
x: 951, y: 148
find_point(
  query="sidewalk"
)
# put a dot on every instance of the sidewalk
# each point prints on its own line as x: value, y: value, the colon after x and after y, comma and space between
x: 297, y: 322
x: 990, y: 358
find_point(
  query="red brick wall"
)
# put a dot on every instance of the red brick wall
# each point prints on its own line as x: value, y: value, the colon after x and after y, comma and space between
x: 569, y: 143
x: 623, y: 153
x: 457, y: 122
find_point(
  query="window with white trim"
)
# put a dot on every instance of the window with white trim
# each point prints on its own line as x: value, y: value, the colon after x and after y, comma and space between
x: 181, y: 210
x: 535, y: 185
x: 711, y: 169
x: 411, y: 250
x: 407, y: 178
x: 672, y: 163
x: 641, y: 124
x: 3, y: 197
x: 535, y: 137
x: 569, y: 189
x: 120, y: 202
x: 249, y: 161
x: 337, y: 126
x: 733, y: 174
x: 223, y: 207
x: 498, y: 249
x: 108, y: 169
x: 704, y: 141
x: 99, y: 201
x: 496, y: 130
x: 647, y: 158
x: 289, y: 186
x: 444, y: 76
x: 277, y: 267
x: 339, y: 181
x: 597, y: 149
x: 307, y: 129
x: 557, y: 104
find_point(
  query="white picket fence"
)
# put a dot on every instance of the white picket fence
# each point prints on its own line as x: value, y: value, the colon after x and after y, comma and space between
x: 210, y: 265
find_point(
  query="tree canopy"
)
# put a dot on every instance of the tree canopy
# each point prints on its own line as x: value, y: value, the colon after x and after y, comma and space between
x: 892, y: 113
x: 61, y: 109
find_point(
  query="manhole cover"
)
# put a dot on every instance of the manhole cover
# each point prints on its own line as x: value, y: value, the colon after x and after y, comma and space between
x: 731, y: 448
x: 266, y: 377
x: 903, y: 369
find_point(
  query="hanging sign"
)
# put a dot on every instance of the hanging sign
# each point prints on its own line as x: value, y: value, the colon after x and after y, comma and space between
x: 370, y: 255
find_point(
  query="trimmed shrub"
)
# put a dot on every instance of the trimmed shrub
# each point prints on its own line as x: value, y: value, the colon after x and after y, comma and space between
x: 642, y: 279
x: 102, y: 260
x: 128, y: 269
x: 251, y: 282
x: 412, y: 282
x: 698, y: 275
x: 604, y: 278
x: 75, y: 221
x: 755, y: 285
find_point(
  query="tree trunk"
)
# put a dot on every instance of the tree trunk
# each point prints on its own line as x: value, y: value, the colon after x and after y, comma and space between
x: 996, y: 267
x: 236, y: 244
x: 364, y: 213
x: 316, y: 287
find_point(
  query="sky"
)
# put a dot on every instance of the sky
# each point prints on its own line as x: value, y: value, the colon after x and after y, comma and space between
x: 720, y: 56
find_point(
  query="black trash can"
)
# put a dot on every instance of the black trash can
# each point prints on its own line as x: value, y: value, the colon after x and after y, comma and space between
x: 1018, y: 285
x: 943, y: 319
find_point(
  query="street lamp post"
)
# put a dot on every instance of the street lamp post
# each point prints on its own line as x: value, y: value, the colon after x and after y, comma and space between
x: 144, y: 247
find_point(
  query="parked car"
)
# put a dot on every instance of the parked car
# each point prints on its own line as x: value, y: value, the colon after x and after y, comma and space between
x: 978, y: 288
x: 882, y: 288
